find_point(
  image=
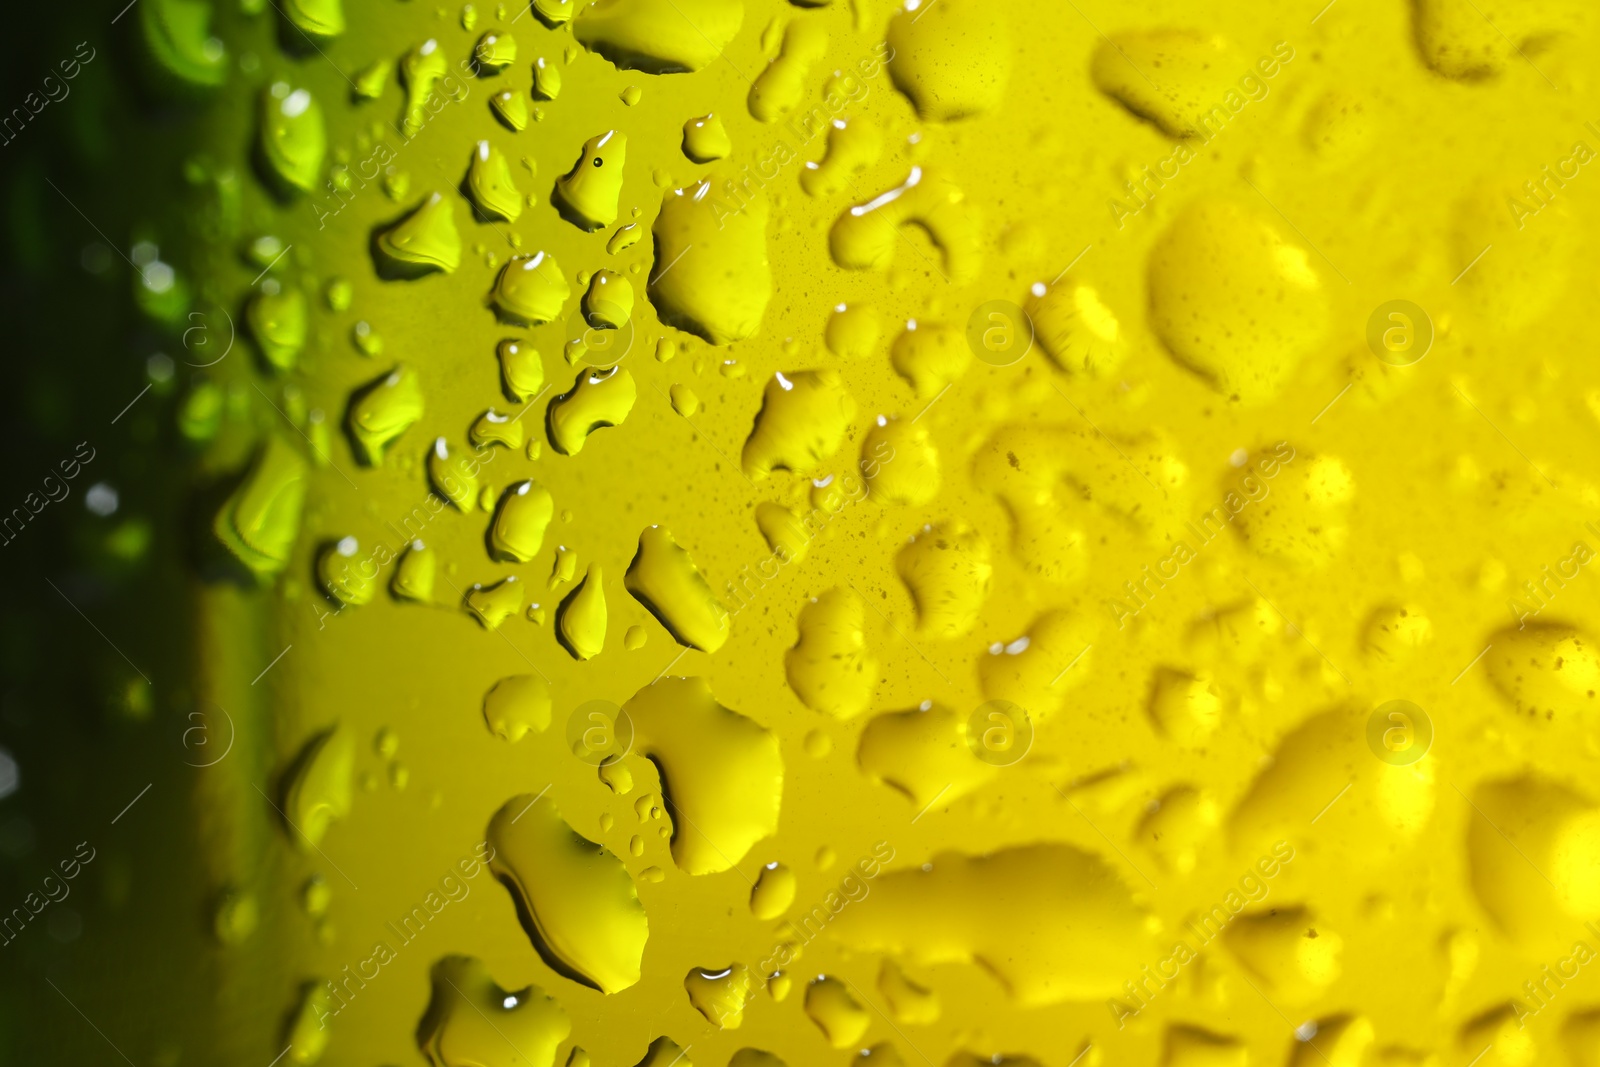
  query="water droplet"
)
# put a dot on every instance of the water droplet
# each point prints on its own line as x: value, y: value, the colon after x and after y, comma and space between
x: 684, y: 400
x: 867, y: 236
x: 235, y: 916
x: 382, y: 411
x: 278, y: 324
x: 608, y: 304
x: 554, y: 12
x: 318, y: 790
x: 723, y: 771
x: 546, y: 79
x: 947, y: 570
x: 315, y: 896
x: 531, y: 290
x: 521, y: 370
x: 516, y: 705
x: 565, y: 566
x: 472, y: 1020
x: 705, y: 139
x: 909, y: 1003
x: 581, y: 619
x: 366, y: 338
x: 294, y: 138
x: 260, y: 522
x: 454, y: 477
x: 910, y: 477
x: 779, y: 87
x: 420, y: 71
x: 587, y: 194
x: 665, y: 580
x: 773, y: 892
x: 1172, y: 77
x: 306, y: 1031
x: 829, y: 667
x: 373, y: 79
x: 179, y: 39
x: 803, y: 420
x: 343, y: 571
x: 720, y: 994
x: 841, y: 1018
x: 617, y: 777
x: 930, y: 355
x: 511, y: 107
x: 783, y: 531
x: 624, y: 238
x: 581, y: 909
x: 517, y: 533
x: 493, y: 428
x: 1234, y: 300
x: 711, y: 275
x: 489, y: 182
x: 495, y: 51
x: 853, y: 146
x: 599, y: 398
x: 425, y: 240
x: 494, y: 604
x: 1077, y: 329
x: 413, y: 578
x: 1009, y: 909
x: 659, y: 38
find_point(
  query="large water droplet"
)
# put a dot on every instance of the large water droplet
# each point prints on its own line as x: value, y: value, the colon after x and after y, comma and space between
x: 803, y: 420
x: 294, y: 138
x: 665, y: 580
x: 581, y: 621
x: 659, y: 36
x: 574, y: 897
x: 260, y: 521
x: 472, y: 1021
x: 426, y: 240
x: 599, y: 398
x: 531, y: 290
x: 517, y: 533
x: 587, y: 194
x: 382, y: 411
x: 317, y: 792
x: 711, y: 275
